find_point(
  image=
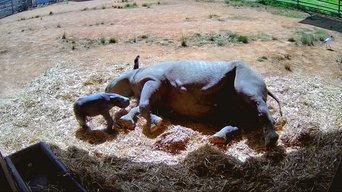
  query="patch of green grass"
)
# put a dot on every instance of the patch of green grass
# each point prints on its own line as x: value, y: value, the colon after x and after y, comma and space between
x: 309, y: 37
x: 289, y: 13
x: 243, y: 39
x: 250, y: 3
x: 222, y: 38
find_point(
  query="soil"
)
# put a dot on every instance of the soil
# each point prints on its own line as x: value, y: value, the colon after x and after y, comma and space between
x: 32, y: 40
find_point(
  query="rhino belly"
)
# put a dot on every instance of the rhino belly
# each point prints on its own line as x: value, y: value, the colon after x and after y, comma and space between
x: 187, y: 104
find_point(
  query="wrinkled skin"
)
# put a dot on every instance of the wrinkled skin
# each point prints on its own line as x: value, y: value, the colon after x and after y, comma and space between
x: 98, y: 104
x: 199, y: 89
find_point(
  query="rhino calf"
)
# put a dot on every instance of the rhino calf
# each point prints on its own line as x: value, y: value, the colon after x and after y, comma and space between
x: 98, y: 104
x: 224, y: 91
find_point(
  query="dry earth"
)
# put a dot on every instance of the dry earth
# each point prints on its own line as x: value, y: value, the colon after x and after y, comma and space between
x: 42, y: 74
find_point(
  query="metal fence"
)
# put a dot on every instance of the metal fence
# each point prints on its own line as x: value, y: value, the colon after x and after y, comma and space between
x: 333, y: 7
x: 9, y: 7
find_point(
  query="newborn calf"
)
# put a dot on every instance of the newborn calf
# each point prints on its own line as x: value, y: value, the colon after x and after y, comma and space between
x: 98, y: 104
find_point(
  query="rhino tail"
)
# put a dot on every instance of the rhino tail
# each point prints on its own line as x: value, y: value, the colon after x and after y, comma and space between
x: 275, y: 98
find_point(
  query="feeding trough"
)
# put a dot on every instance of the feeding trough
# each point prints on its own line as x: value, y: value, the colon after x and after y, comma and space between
x: 36, y: 168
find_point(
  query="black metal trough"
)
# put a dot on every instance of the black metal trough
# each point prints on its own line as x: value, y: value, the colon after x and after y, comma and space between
x: 36, y: 168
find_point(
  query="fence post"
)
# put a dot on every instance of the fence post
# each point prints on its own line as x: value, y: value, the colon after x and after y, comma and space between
x: 339, y: 8
x: 298, y: 4
x: 12, y: 6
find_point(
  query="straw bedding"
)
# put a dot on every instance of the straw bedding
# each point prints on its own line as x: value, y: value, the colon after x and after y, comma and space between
x: 179, y: 157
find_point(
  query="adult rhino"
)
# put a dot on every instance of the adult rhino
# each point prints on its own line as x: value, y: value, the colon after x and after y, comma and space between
x: 221, y: 91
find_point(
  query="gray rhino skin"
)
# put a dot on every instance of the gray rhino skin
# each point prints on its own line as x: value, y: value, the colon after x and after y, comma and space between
x: 199, y: 89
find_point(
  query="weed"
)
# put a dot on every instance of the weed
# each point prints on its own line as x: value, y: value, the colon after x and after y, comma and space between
x: 51, y: 13
x: 73, y: 47
x: 261, y: 59
x: 288, y: 67
x: 112, y: 40
x: 143, y: 36
x: 23, y: 18
x: 184, y: 42
x: 243, y: 39
x: 308, y: 36
x: 103, y: 40
x: 289, y: 13
x: 103, y: 7
x: 291, y: 39
x: 84, y: 9
x: 211, y: 16
x: 133, y: 5
x: 64, y: 36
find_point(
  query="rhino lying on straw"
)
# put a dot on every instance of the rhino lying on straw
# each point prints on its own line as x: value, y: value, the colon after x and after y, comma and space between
x: 220, y: 91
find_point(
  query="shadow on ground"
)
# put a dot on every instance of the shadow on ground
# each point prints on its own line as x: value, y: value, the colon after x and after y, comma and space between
x: 309, y: 168
x: 323, y: 22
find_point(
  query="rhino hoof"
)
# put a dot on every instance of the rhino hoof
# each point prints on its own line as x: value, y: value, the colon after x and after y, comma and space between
x: 217, y: 140
x: 271, y: 140
x: 125, y: 123
x: 155, y: 126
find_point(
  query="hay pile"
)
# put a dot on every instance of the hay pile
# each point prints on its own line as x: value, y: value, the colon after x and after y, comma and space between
x: 305, y: 160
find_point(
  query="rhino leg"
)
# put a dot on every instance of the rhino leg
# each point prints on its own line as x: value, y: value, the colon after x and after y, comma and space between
x: 149, y: 94
x: 110, y: 122
x: 222, y: 136
x: 127, y: 121
x: 253, y: 92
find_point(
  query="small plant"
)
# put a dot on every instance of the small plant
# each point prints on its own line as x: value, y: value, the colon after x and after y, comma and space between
x: 287, y: 66
x: 184, y: 41
x: 103, y: 7
x: 144, y: 36
x: 64, y: 36
x: 261, y: 59
x: 291, y: 39
x: 73, y: 47
x: 51, y: 13
x: 23, y: 18
x: 103, y: 40
x: 112, y: 40
x: 309, y: 37
x: 243, y: 39
x: 58, y: 26
x: 133, y: 5
x: 84, y: 9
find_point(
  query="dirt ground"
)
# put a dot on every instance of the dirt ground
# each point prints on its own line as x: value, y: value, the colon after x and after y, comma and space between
x: 42, y: 73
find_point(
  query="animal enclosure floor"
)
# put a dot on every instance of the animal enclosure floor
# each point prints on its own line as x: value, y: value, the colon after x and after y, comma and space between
x: 52, y: 55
